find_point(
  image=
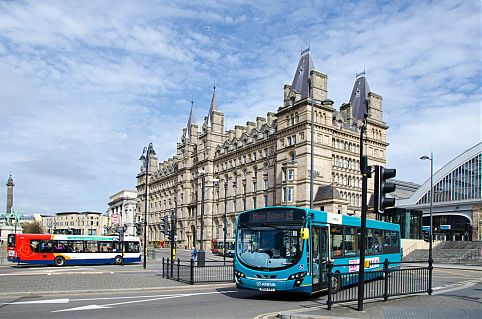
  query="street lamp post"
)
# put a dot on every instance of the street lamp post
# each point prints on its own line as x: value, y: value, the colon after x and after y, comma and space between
x: 430, y: 237
x: 225, y: 217
x: 201, y: 257
x: 312, y: 160
x: 145, y: 157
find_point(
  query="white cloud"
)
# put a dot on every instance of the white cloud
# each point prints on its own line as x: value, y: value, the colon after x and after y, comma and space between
x: 85, y: 85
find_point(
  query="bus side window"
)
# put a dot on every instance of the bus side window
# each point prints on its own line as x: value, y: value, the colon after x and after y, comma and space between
x: 35, y: 246
x: 377, y: 241
x: 132, y: 247
x: 369, y: 248
x: 337, y: 241
x: 45, y: 246
x: 77, y: 246
x: 351, y: 241
x: 91, y: 246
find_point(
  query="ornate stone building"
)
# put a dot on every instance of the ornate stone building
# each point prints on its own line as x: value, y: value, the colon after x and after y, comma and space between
x: 266, y: 162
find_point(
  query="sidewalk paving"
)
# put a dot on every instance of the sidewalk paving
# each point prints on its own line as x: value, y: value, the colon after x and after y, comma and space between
x: 445, y: 303
x: 406, y: 307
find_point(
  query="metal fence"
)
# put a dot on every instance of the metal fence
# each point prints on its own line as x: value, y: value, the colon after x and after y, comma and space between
x: 391, y: 280
x: 189, y: 272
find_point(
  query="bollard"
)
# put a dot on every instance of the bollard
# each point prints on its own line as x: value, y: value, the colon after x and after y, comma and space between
x: 162, y: 267
x: 172, y: 268
x: 167, y: 266
x: 329, y: 266
x: 178, y: 266
x: 192, y: 272
x: 385, y: 271
x: 430, y: 268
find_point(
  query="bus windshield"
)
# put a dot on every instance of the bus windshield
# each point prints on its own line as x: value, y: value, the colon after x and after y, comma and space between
x: 269, y: 246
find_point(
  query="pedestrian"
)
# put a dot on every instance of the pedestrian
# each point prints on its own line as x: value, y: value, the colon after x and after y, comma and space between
x: 194, y: 254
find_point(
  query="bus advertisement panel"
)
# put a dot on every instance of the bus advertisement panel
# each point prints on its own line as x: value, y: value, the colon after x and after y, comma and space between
x: 287, y: 248
x: 60, y: 250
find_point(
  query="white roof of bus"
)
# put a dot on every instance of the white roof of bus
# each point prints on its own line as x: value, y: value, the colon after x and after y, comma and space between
x: 93, y: 237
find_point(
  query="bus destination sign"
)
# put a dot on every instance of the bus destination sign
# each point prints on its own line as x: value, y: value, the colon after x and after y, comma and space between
x: 277, y: 215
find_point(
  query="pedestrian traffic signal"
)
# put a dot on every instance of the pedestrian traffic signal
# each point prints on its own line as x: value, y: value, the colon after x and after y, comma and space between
x: 383, y: 187
x: 165, y: 225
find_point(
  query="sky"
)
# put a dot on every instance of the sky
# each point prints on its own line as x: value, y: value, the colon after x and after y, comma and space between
x: 86, y: 85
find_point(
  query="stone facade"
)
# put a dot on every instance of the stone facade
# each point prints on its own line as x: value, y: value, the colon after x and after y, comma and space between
x: 265, y: 162
x: 84, y: 223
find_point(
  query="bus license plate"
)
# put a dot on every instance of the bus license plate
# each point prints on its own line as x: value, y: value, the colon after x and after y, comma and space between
x: 266, y: 289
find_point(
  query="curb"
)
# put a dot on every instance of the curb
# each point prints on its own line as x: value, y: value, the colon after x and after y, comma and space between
x: 88, y: 291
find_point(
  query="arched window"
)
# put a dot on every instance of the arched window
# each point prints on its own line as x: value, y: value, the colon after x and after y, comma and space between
x: 292, y: 156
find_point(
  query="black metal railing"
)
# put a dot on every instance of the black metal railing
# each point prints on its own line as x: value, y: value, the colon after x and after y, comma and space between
x: 189, y: 272
x: 383, y: 282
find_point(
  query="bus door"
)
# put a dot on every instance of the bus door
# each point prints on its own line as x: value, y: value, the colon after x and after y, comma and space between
x: 319, y: 244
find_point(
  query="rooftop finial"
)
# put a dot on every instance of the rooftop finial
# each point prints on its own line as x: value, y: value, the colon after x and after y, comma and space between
x: 214, y: 86
x: 305, y: 50
x: 361, y: 74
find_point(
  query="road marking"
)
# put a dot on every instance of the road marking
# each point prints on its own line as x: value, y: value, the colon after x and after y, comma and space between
x: 92, y: 307
x: 50, y: 301
x: 457, y: 287
x: 88, y: 307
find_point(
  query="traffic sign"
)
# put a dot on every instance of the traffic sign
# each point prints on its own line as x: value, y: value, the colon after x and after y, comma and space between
x: 115, y: 219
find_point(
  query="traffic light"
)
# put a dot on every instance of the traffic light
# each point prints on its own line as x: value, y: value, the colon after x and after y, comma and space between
x: 426, y: 236
x: 383, y: 187
x: 138, y: 229
x: 165, y: 225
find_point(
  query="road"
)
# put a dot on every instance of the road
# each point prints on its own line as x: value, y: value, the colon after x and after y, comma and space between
x: 149, y: 296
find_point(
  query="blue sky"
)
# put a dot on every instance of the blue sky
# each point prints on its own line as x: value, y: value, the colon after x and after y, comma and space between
x: 85, y: 85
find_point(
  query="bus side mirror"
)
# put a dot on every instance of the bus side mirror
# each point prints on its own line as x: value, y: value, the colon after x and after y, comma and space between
x: 305, y: 233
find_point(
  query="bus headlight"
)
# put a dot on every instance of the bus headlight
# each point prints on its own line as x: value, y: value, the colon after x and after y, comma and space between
x: 298, y: 278
x: 240, y: 274
x: 298, y: 275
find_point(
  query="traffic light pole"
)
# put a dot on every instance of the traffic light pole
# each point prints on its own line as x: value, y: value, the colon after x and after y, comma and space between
x: 365, y: 171
x: 173, y: 230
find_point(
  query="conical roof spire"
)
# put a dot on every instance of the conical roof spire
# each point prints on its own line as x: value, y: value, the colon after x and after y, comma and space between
x: 359, y: 97
x: 300, y: 81
x: 191, y: 121
x: 213, y: 107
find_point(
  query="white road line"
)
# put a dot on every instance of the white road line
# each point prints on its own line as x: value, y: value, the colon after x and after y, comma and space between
x: 49, y: 301
x: 91, y: 307
x: 457, y: 287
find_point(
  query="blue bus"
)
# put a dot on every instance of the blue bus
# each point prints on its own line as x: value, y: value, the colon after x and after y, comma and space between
x: 286, y: 248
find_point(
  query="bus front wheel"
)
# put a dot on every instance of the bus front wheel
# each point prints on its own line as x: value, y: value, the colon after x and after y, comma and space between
x: 335, y: 283
x: 119, y: 260
x: 59, y: 261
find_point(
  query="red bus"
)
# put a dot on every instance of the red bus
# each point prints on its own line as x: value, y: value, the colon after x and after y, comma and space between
x: 61, y: 250
x: 217, y: 247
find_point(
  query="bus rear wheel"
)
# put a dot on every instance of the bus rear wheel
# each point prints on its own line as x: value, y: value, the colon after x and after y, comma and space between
x: 59, y: 261
x: 118, y: 260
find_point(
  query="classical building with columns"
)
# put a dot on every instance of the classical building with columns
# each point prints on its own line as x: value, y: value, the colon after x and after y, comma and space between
x: 123, y: 204
x: 265, y: 162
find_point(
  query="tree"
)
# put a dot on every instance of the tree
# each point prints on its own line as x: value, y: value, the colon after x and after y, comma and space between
x: 33, y: 228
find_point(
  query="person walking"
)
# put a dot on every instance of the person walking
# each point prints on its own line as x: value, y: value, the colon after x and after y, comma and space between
x: 194, y: 254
